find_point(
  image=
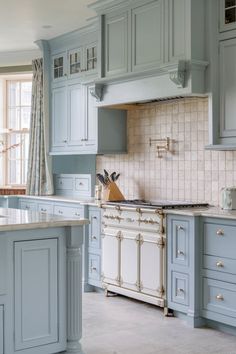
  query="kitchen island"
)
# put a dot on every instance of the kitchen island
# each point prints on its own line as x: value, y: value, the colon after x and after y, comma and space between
x: 40, y: 282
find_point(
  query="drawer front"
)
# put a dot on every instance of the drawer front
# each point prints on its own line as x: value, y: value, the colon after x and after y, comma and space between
x: 94, y: 267
x: 65, y: 183
x: 94, y: 229
x: 220, y: 240
x: 219, y: 297
x: 82, y: 184
x: 144, y: 220
x: 180, y: 288
x: 74, y: 212
x: 220, y: 264
x: 180, y: 242
x: 45, y: 208
x: 27, y: 205
x: 1, y: 329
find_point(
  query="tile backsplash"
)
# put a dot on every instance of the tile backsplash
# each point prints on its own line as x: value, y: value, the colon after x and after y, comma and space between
x: 188, y: 173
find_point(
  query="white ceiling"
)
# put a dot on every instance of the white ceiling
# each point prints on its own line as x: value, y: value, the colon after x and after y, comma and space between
x: 22, y: 21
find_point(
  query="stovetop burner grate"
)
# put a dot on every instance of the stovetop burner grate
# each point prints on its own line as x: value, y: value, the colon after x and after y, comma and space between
x: 160, y: 204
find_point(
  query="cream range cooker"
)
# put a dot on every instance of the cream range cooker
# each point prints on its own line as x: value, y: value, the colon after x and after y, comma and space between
x: 134, y: 248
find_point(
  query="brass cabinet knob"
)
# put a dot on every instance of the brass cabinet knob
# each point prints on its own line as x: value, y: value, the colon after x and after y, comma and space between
x: 180, y: 253
x: 181, y: 290
x: 94, y: 238
x: 180, y: 228
x: 219, y: 264
x: 220, y: 232
x: 220, y: 297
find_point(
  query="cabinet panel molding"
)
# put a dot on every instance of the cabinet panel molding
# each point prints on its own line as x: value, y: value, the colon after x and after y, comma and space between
x: 36, y: 293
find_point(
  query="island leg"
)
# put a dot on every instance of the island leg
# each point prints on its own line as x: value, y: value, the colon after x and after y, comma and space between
x: 74, y: 289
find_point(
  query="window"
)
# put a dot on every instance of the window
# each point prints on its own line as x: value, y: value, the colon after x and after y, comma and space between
x: 15, y: 133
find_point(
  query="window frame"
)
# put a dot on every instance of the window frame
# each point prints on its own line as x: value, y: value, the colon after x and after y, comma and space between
x: 6, y: 136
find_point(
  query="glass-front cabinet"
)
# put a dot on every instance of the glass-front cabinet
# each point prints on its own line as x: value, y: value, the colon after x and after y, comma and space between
x: 80, y: 61
x: 75, y: 61
x: 59, y: 66
x: 228, y: 15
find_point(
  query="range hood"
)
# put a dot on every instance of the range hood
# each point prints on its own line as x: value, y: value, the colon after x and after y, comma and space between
x: 177, y: 80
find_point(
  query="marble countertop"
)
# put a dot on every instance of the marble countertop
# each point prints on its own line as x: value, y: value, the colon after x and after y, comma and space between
x: 211, y: 211
x: 63, y: 199
x: 17, y: 219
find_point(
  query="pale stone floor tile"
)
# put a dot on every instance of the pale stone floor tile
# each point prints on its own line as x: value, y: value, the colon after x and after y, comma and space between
x: 118, y: 325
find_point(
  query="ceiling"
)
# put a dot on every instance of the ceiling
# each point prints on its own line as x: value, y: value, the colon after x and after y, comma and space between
x: 24, y: 21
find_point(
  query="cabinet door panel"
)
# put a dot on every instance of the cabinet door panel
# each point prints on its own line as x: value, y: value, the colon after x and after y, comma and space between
x: 177, y: 29
x: 59, y: 67
x: 129, y: 253
x: 36, y: 293
x: 76, y: 127
x: 151, y: 266
x: 147, y: 36
x: 116, y: 39
x: 94, y: 229
x: 90, y: 119
x: 110, y: 257
x: 228, y: 88
x: 180, y: 242
x: 1, y: 330
x: 59, y: 116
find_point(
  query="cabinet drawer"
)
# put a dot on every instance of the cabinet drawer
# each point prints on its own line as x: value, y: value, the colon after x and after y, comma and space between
x: 180, y: 288
x: 65, y: 183
x: 220, y: 264
x: 219, y: 297
x: 180, y: 242
x: 220, y: 240
x: 82, y: 184
x: 27, y: 205
x: 94, y: 229
x: 69, y: 211
x: 94, y: 267
x: 1, y: 329
x: 45, y: 208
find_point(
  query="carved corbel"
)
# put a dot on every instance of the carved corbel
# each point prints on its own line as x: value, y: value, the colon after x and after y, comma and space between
x: 97, y: 91
x: 177, y: 76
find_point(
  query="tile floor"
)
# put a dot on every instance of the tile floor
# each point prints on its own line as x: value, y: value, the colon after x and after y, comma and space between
x: 118, y: 325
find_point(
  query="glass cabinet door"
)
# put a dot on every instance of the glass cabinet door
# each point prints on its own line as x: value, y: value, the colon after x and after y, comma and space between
x: 59, y: 66
x: 91, y: 58
x: 228, y: 15
x: 75, y: 61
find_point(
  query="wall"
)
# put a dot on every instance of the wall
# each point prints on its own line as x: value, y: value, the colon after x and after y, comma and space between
x: 189, y: 173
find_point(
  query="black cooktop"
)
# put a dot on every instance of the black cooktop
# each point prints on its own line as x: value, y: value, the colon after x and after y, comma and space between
x: 159, y: 204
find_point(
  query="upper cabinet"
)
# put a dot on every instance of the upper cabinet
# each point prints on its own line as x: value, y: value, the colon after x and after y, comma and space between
x: 227, y: 15
x: 147, y: 36
x: 79, y: 62
x: 162, y: 41
x: 221, y: 41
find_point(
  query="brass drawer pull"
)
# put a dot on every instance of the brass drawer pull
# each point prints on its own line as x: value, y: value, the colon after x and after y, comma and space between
x: 220, y: 264
x: 93, y: 269
x: 219, y: 297
x: 220, y: 232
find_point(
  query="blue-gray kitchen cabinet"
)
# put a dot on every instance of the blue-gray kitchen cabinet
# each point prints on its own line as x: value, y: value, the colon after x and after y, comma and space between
x: 141, y: 36
x: 1, y: 329
x: 79, y: 127
x: 227, y: 15
x: 116, y: 44
x: 147, y: 35
x: 183, y: 267
x: 94, y: 246
x: 218, y: 276
x: 36, y: 296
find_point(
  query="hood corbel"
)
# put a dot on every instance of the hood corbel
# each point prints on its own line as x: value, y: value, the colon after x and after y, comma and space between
x: 178, y: 75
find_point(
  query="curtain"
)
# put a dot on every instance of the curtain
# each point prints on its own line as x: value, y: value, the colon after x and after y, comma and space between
x: 39, y: 178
